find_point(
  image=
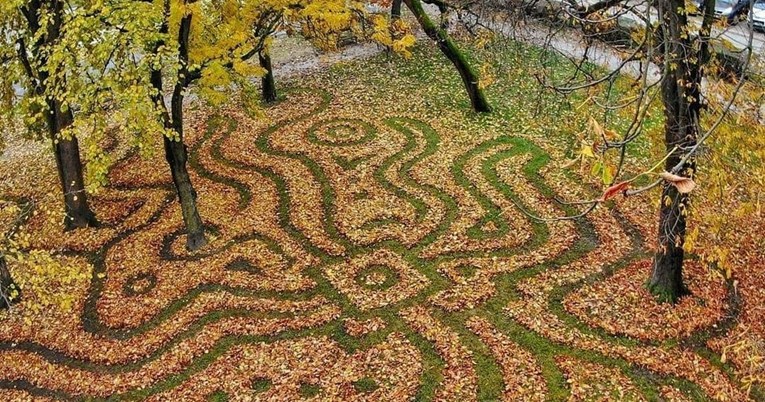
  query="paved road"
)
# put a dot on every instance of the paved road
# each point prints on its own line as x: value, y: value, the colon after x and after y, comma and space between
x: 738, y: 35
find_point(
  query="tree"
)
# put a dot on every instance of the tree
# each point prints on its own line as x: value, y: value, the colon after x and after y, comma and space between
x: 681, y: 96
x: 207, y: 44
x: 321, y: 22
x: 209, y: 47
x: 674, y: 56
x: 268, y: 84
x: 269, y: 21
x: 438, y: 34
x: 395, y: 10
x: 176, y: 152
x: 9, y: 291
x: 35, y: 86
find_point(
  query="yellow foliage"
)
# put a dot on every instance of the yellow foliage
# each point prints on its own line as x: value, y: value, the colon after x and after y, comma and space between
x: 487, y: 75
x: 404, y: 45
x: 48, y: 281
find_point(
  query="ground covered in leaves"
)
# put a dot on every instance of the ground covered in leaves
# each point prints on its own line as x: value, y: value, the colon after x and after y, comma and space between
x: 369, y: 241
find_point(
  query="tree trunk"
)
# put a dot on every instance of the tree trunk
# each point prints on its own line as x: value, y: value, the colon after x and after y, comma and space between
x: 66, y: 150
x: 176, y: 152
x: 449, y: 49
x: 69, y: 164
x: 177, y: 155
x: 268, y: 84
x: 681, y: 96
x: 395, y: 10
x: 9, y: 291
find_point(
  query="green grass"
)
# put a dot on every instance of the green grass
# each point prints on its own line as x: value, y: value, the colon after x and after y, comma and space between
x: 421, y: 93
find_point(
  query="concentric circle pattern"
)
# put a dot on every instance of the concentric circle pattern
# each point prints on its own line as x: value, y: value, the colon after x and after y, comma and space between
x: 358, y: 259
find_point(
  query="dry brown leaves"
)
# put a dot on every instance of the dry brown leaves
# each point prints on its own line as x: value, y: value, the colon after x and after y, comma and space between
x: 593, y: 382
x: 621, y: 304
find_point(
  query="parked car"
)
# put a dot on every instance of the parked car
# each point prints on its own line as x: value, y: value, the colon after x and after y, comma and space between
x: 757, y: 19
x: 731, y: 10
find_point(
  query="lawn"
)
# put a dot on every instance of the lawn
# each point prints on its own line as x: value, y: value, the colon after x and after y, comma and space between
x: 371, y: 241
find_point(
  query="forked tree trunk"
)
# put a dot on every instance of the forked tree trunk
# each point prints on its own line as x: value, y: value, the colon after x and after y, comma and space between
x: 268, y: 83
x: 681, y: 96
x: 176, y: 152
x: 177, y: 156
x: 469, y: 76
x: 9, y: 291
x: 69, y: 165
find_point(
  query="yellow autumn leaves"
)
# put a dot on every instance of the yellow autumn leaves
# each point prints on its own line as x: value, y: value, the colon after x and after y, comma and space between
x: 395, y: 36
x: 225, y: 34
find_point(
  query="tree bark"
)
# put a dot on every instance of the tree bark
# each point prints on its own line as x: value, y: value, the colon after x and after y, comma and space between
x: 395, y: 10
x: 66, y: 150
x: 176, y: 152
x: 681, y: 96
x: 9, y: 291
x: 268, y: 83
x: 69, y: 165
x: 469, y: 77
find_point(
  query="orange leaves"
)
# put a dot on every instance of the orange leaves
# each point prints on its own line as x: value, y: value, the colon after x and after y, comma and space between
x: 683, y: 184
x: 596, y: 382
x: 359, y: 328
x: 622, y: 305
x: 424, y: 182
x: 614, y: 190
x: 522, y: 373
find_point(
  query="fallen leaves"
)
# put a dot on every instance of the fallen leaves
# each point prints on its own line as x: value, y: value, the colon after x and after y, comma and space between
x: 459, y: 374
x: 407, y: 281
x: 593, y: 382
x: 361, y: 328
x: 323, y: 209
x: 622, y: 305
x: 520, y: 370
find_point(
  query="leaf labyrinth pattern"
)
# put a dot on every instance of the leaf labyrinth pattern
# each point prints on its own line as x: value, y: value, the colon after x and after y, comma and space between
x: 355, y: 260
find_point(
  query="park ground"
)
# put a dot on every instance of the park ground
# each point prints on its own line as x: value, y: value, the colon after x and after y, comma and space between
x: 371, y: 240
